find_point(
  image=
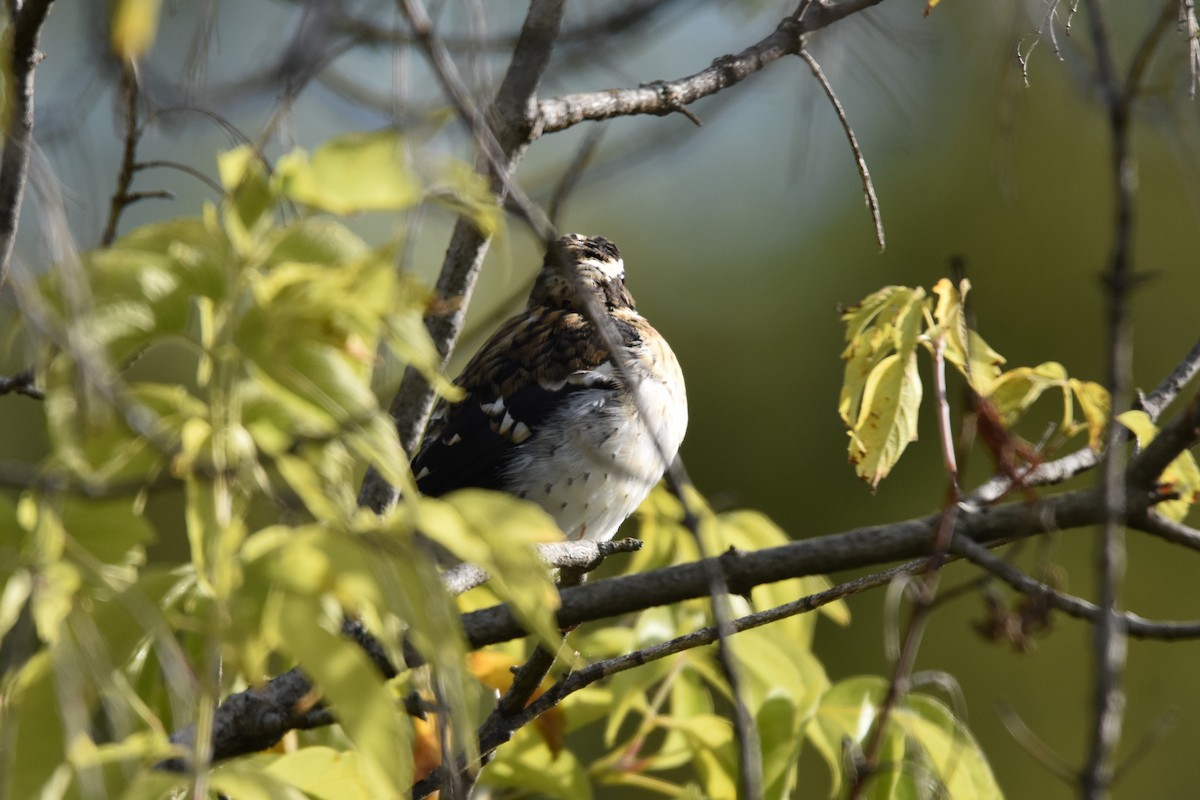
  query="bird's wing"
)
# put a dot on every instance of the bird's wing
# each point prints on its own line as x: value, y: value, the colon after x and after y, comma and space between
x: 513, y: 384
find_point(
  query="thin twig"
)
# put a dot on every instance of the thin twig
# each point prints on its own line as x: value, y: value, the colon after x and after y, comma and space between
x: 859, y: 161
x: 1109, y: 637
x: 121, y: 198
x: 26, y: 21
x: 1132, y: 624
x: 24, y: 382
x: 159, y: 163
x: 1045, y: 755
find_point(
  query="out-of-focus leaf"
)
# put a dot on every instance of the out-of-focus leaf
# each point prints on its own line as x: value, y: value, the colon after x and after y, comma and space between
x: 1182, y: 476
x: 711, y: 738
x: 527, y: 765
x: 778, y: 722
x: 1096, y: 406
x: 887, y: 421
x: 348, y: 679
x: 753, y: 530
x: 951, y: 753
x: 459, y: 187
x: 945, y: 751
x: 133, y: 26
x: 323, y: 773
x: 109, y: 529
x: 495, y: 531
x: 351, y: 173
x: 244, y: 176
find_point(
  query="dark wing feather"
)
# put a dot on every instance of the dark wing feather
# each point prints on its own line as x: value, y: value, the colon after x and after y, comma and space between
x: 513, y: 384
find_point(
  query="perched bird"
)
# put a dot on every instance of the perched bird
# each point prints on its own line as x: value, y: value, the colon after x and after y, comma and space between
x: 550, y: 416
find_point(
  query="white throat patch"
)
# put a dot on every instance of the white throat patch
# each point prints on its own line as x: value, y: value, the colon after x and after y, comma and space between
x: 613, y: 270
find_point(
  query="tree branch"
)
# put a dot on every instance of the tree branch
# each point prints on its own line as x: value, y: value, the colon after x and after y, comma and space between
x: 1132, y: 624
x: 661, y: 98
x: 18, y: 140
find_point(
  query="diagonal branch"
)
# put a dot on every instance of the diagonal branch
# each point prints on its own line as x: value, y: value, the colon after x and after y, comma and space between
x: 661, y: 98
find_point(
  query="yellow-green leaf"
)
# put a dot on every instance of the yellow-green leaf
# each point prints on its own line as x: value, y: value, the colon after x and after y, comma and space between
x: 1096, y: 405
x: 1182, y: 476
x: 887, y: 421
x: 351, y: 173
x: 1016, y: 390
x: 134, y: 23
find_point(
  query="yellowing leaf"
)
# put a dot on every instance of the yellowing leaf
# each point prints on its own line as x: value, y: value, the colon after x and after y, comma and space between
x: 351, y: 173
x: 983, y: 366
x: 1016, y: 390
x: 887, y: 421
x: 1096, y: 405
x: 1182, y: 476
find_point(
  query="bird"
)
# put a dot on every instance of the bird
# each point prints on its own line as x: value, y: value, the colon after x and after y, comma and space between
x: 551, y: 414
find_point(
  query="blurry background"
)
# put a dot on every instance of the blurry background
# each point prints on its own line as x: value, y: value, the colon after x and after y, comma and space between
x: 741, y: 239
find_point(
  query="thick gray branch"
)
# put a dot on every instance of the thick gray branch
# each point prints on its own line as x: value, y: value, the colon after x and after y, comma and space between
x: 18, y: 141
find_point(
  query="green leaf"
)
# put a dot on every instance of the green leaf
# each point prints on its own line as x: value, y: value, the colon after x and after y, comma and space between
x: 110, y: 529
x: 778, y: 723
x: 527, y: 765
x: 950, y: 750
x: 323, y: 773
x: 244, y: 176
x: 887, y: 421
x: 496, y: 531
x: 459, y: 187
x: 1182, y: 476
x: 347, y: 678
x: 945, y: 753
x: 351, y: 173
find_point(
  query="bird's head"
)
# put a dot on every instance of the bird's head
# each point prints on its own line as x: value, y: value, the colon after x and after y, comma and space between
x: 588, y: 264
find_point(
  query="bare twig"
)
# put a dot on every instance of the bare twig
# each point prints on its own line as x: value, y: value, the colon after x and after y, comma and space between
x: 27, y: 21
x: 1046, y: 756
x: 122, y: 198
x: 1132, y: 624
x: 661, y: 98
x: 585, y: 555
x: 24, y: 382
x: 859, y: 161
